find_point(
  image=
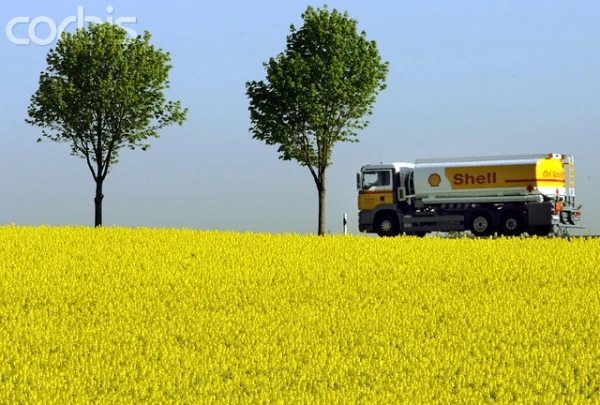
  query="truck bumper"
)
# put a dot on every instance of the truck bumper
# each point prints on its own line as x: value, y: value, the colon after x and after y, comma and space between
x: 567, y: 218
x: 365, y: 221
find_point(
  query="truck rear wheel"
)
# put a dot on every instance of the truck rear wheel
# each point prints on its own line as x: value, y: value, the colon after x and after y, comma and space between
x: 480, y: 224
x: 386, y: 224
x: 512, y: 223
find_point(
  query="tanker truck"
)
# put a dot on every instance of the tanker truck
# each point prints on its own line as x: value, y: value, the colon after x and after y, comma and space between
x: 506, y: 195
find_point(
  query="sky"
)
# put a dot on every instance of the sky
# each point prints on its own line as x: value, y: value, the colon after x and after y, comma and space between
x: 466, y: 78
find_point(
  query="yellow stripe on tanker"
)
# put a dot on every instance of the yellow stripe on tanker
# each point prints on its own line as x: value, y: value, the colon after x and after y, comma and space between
x: 510, y: 177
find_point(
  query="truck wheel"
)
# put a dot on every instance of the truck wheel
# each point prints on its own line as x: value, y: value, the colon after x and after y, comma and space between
x: 512, y: 223
x: 387, y: 225
x: 481, y: 224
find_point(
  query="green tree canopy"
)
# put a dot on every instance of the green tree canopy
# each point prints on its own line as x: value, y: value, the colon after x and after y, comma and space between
x: 100, y: 92
x: 317, y: 92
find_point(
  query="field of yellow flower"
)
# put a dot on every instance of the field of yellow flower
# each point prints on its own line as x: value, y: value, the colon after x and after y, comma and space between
x: 133, y: 316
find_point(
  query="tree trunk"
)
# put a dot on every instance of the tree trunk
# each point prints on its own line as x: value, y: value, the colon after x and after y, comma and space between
x: 98, y: 203
x: 321, y: 211
x: 321, y: 192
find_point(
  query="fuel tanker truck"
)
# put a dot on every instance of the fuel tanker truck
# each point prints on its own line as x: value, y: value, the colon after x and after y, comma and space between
x: 507, y: 195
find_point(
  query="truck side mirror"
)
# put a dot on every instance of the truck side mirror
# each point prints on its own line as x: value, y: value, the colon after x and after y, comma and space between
x: 358, y: 181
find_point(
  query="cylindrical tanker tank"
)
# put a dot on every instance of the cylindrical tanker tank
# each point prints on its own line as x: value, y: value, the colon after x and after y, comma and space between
x: 499, y: 176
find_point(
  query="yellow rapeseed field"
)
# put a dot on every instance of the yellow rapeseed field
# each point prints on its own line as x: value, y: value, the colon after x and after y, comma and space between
x: 136, y: 316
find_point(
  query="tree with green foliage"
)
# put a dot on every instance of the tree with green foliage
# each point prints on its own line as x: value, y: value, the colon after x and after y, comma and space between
x: 103, y: 91
x: 317, y: 92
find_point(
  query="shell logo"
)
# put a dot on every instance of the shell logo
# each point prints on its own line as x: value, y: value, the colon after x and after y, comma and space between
x: 434, y: 180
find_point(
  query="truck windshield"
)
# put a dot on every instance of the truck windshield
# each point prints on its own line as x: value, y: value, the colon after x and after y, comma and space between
x: 376, y: 179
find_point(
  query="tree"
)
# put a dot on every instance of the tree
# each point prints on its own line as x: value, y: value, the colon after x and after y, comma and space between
x: 317, y: 92
x: 100, y: 92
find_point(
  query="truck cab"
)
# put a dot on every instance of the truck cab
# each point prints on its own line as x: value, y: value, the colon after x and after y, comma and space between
x: 381, y: 189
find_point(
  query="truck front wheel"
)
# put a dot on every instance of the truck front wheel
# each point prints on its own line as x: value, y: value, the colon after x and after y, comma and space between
x: 387, y: 225
x: 481, y: 224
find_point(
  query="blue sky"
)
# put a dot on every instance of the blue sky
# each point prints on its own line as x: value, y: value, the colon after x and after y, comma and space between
x: 466, y: 78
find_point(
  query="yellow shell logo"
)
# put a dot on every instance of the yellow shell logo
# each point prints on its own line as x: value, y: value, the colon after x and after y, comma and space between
x: 434, y: 180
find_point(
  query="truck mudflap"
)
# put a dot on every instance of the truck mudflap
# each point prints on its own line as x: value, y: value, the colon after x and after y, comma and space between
x: 539, y: 214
